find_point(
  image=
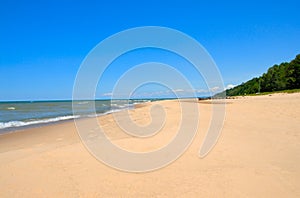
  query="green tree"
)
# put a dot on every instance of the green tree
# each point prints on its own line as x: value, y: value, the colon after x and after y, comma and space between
x: 278, y: 77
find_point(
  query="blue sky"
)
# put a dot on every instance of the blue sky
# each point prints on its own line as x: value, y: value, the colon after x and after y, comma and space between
x: 42, y: 44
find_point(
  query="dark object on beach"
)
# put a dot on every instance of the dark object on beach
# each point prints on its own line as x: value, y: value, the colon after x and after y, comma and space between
x: 204, y: 98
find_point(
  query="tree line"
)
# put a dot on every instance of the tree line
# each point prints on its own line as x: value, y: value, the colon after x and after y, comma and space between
x: 279, y: 77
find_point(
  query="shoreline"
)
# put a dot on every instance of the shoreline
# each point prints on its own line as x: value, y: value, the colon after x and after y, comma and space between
x: 200, y: 100
x: 42, y: 124
x: 18, y: 129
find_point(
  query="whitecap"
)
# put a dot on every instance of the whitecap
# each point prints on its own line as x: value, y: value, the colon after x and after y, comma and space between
x: 11, y: 108
x: 9, y: 124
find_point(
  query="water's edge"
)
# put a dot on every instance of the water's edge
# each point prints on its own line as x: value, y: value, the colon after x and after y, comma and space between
x: 19, y: 125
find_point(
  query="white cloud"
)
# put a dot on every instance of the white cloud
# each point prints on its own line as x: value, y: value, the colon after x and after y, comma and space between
x: 200, y: 90
x: 107, y: 94
x: 178, y: 90
x: 230, y: 86
x: 215, y: 89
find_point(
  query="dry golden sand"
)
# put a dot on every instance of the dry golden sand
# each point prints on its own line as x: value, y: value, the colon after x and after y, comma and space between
x: 257, y: 155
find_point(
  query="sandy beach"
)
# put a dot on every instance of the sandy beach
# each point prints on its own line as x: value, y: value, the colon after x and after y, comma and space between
x: 257, y: 155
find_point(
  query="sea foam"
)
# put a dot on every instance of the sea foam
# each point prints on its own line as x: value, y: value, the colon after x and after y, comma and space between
x: 9, y: 124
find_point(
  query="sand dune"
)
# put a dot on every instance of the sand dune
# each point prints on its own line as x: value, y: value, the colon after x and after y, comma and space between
x: 257, y: 155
